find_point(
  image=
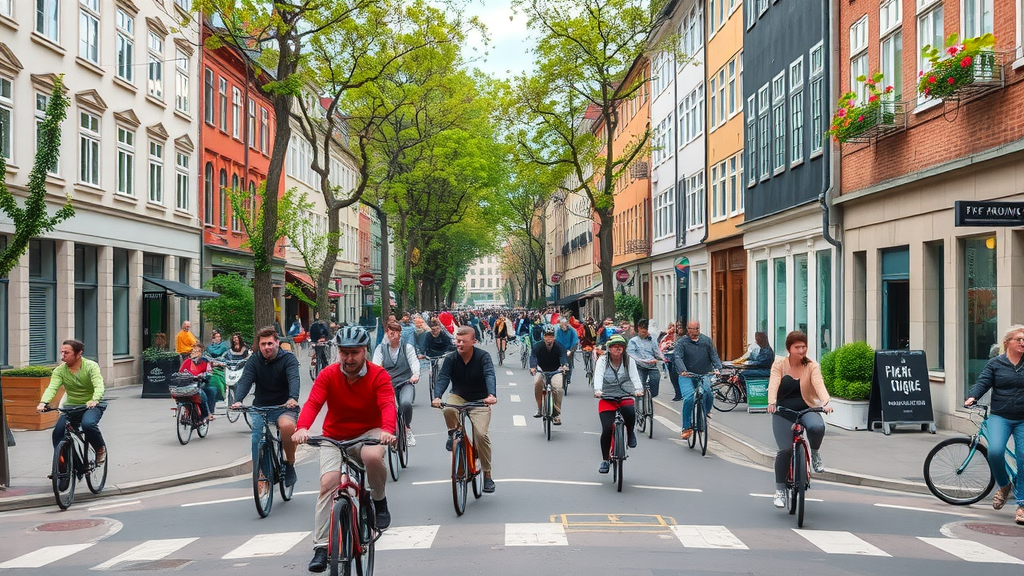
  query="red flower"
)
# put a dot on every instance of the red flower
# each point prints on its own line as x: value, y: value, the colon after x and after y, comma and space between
x: 966, y: 62
x: 841, y: 112
x: 860, y: 118
x: 921, y: 73
x: 872, y: 98
x: 927, y: 91
x: 931, y: 79
x: 951, y: 81
x: 952, y: 50
x: 869, y: 82
x: 888, y: 89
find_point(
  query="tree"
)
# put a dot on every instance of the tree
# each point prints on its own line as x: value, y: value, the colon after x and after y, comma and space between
x: 233, y: 310
x: 585, y: 51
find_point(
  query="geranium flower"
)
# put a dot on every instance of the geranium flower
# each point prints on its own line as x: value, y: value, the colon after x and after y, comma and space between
x: 920, y: 74
x: 873, y: 98
x: 951, y: 80
x: 841, y: 112
x: 927, y: 91
x: 888, y: 89
x: 860, y: 118
x: 931, y: 79
x: 952, y: 50
x: 966, y: 62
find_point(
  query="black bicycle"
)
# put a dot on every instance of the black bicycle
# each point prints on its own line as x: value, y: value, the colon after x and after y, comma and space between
x: 588, y: 365
x: 398, y: 454
x: 74, y: 458
x: 188, y: 406
x: 798, y: 479
x: 698, y: 415
x: 728, y: 390
x: 435, y: 367
x: 501, y: 349
x: 645, y: 412
x: 317, y: 358
x: 617, y: 452
x: 268, y: 467
x: 547, y: 401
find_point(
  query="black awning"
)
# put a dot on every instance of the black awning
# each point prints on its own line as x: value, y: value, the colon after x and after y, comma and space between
x: 183, y: 290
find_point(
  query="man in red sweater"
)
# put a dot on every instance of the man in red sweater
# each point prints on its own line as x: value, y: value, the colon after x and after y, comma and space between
x: 360, y: 403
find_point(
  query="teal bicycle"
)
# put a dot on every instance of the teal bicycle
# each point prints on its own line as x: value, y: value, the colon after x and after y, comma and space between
x: 957, y: 470
x: 526, y: 346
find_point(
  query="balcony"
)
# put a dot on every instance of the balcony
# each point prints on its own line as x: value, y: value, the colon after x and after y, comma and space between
x: 878, y: 121
x: 638, y: 246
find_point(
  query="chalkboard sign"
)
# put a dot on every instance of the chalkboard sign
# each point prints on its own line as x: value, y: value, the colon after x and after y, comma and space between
x: 900, y: 392
x: 757, y: 395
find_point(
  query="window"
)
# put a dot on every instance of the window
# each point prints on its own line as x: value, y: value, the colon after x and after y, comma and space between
x: 181, y: 181
x: 796, y: 110
x: 6, y: 109
x: 780, y: 303
x: 125, y: 161
x: 86, y: 288
x: 236, y: 112
x: 236, y: 225
x: 42, y: 101
x: 48, y: 19
x: 751, y: 8
x: 125, y: 25
x: 692, y: 31
x: 763, y: 135
x: 734, y: 98
x: 42, y: 302
x: 713, y: 86
x: 209, y: 107
x: 251, y: 126
x: 664, y: 213
x: 929, y: 32
x: 800, y: 292
x: 721, y: 96
x: 762, y: 6
x: 751, y: 148
x: 824, y: 298
x: 859, y: 58
x: 779, y: 120
x: 89, y: 148
x: 713, y: 20
x: 695, y: 200
x: 735, y: 177
x: 89, y: 30
x: 185, y: 5
x: 156, y: 172
x: 890, y: 19
x: 264, y: 130
x: 979, y: 305
x: 224, y: 205
x: 156, y: 66
x: 934, y: 305
x: 472, y: 283
x: 762, y: 296
x: 208, y: 194
x: 817, y: 80
x: 719, y: 180
x: 181, y: 81
x: 5, y: 9
x: 977, y: 17
x: 121, y: 290
x: 222, y: 94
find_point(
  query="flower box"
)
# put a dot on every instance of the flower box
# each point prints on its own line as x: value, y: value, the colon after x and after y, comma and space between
x: 848, y: 414
x: 21, y: 396
x: 961, y: 70
x: 856, y: 121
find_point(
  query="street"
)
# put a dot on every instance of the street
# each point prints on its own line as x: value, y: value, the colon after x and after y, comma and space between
x: 552, y: 513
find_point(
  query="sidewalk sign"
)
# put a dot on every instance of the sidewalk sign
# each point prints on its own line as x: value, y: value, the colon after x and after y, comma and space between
x: 757, y: 395
x: 900, y: 392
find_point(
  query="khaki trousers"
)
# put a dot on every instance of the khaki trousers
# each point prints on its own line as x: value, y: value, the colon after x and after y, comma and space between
x: 481, y: 420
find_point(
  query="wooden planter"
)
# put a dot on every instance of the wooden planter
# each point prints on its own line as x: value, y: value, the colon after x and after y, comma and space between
x: 22, y: 395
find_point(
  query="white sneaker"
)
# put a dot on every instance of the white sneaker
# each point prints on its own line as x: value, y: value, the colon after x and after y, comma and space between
x: 816, y: 464
x: 780, y: 499
x: 410, y: 440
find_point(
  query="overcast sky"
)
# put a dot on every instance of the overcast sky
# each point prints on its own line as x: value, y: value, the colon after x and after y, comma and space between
x: 507, y: 53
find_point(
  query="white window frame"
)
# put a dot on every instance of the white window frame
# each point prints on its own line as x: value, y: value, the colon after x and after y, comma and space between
x: 664, y: 218
x: 722, y: 107
x: 796, y: 111
x: 125, y: 161
x: 251, y: 123
x: 50, y: 21
x: 762, y: 7
x: 181, y: 181
x: 735, y: 98
x: 926, y: 14
x: 735, y: 185
x: 236, y: 112
x: 816, y: 78
x: 779, y: 123
x: 88, y: 148
x: 722, y: 197
x: 156, y: 172
x: 181, y: 83
x: 6, y: 7
x: 982, y: 25
x: 859, y: 58
x: 713, y: 109
x: 7, y: 110
x: 751, y: 9
x: 89, y: 30
x: 155, y: 66
x: 209, y: 96
x: 751, y: 139
x: 264, y: 130
x: 124, y: 23
x: 222, y: 95
x: 892, y: 63
x: 695, y: 199
x: 764, y: 133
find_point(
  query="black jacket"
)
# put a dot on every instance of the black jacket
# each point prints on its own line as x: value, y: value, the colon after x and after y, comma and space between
x: 1007, y: 384
x: 276, y: 380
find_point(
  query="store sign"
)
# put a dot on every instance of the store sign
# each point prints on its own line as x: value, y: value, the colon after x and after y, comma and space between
x: 970, y: 213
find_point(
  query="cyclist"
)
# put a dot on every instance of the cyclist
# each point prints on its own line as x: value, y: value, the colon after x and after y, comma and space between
x: 83, y: 385
x: 645, y: 352
x: 695, y: 355
x: 501, y: 333
x: 567, y: 337
x: 548, y: 356
x: 537, y: 328
x: 198, y: 365
x: 319, y: 333
x: 1002, y: 375
x: 795, y: 383
x: 611, y: 379
x: 471, y: 375
x: 275, y: 373
x: 360, y: 403
x: 606, y: 332
x: 402, y: 365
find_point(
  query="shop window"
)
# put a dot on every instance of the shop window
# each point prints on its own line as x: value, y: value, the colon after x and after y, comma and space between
x: 896, y: 299
x: 85, y: 298
x: 934, y: 304
x: 980, y: 306
x: 824, y: 297
x: 859, y: 311
x: 762, y: 296
x: 780, y: 305
x: 121, y: 291
x: 800, y: 293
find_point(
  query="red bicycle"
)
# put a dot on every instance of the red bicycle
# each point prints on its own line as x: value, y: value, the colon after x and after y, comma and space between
x: 799, y: 478
x: 465, y: 465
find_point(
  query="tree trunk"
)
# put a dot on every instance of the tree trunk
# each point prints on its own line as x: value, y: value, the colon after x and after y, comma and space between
x: 604, y: 236
x: 323, y: 302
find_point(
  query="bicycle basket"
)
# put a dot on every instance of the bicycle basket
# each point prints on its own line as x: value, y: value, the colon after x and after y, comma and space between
x: 190, y: 390
x: 183, y: 384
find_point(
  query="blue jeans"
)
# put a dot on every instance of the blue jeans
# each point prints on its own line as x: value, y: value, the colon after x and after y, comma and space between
x: 652, y: 378
x: 256, y: 418
x: 90, y: 422
x: 999, y: 431
x: 688, y: 393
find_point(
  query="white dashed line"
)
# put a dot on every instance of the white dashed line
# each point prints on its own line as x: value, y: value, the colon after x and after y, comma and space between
x: 519, y: 420
x: 514, y: 398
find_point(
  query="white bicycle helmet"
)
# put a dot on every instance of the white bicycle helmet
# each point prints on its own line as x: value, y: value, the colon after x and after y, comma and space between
x: 351, y: 337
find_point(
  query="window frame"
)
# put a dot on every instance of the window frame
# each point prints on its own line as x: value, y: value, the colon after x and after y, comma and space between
x: 182, y: 192
x: 7, y: 106
x: 89, y: 164
x: 764, y: 131
x: 816, y: 82
x: 124, y: 27
x: 751, y: 139
x: 155, y: 65
x: 779, y: 124
x: 927, y: 11
x: 89, y: 31
x: 796, y: 111
x: 181, y: 83
x: 126, y: 161
x: 981, y: 27
x: 209, y: 107
x: 47, y: 14
x: 156, y: 172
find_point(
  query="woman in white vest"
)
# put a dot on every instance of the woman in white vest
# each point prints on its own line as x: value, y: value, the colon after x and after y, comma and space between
x: 399, y: 360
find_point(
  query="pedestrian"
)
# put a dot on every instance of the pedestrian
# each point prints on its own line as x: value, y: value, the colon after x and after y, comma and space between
x: 185, y: 341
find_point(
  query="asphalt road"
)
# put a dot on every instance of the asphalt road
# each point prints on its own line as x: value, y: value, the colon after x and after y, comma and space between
x: 552, y: 513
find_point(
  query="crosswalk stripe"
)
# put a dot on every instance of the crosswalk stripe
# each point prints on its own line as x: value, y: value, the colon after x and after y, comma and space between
x: 970, y: 551
x: 708, y: 537
x: 519, y: 420
x: 147, y: 551
x: 837, y: 542
x: 407, y: 537
x: 266, y: 545
x: 45, y: 555
x: 538, y: 534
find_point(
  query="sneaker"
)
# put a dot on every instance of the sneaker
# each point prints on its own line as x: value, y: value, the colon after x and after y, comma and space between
x: 448, y: 444
x: 319, y: 561
x: 686, y: 434
x: 999, y: 499
x: 816, y: 464
x: 488, y: 485
x: 677, y: 399
x: 290, y: 478
x: 538, y: 414
x: 410, y: 440
x: 632, y: 440
x: 1019, y: 518
x: 383, y: 516
x: 604, y: 467
x: 780, y: 499
x: 556, y: 421
x: 101, y: 456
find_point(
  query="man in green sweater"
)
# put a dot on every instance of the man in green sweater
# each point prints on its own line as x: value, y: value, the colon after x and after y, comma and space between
x: 83, y: 385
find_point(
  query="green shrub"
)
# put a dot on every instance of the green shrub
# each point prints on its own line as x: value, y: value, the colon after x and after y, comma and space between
x: 30, y: 372
x: 855, y: 362
x: 858, y: 390
x: 828, y: 368
x: 153, y: 354
x: 234, y: 310
x: 628, y: 307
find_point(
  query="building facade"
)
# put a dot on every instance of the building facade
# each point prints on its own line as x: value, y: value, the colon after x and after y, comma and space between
x: 485, y: 283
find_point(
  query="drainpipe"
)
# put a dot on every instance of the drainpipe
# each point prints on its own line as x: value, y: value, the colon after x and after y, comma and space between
x: 830, y: 177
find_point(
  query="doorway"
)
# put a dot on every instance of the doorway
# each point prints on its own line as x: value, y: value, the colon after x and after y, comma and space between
x: 896, y: 299
x: 154, y: 321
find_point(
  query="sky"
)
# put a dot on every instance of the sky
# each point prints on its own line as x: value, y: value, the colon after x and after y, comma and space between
x: 507, y: 54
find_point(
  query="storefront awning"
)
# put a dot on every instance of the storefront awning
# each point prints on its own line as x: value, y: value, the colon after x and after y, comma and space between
x: 307, y: 282
x: 182, y: 290
x: 594, y: 290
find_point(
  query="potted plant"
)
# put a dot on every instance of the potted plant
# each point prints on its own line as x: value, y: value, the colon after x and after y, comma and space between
x: 847, y: 372
x: 959, y: 64
x: 853, y: 118
x: 23, y: 388
x: 157, y: 365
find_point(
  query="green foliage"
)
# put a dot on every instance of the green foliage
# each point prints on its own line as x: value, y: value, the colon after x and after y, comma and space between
x: 233, y: 310
x: 377, y: 308
x: 828, y: 368
x: 537, y: 303
x: 32, y: 221
x: 854, y: 365
x: 955, y: 66
x: 153, y: 354
x: 29, y: 372
x: 628, y: 307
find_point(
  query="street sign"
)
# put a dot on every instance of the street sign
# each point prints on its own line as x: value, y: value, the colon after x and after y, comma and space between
x: 366, y: 279
x: 900, y: 392
x: 556, y: 278
x: 622, y: 275
x: 969, y: 213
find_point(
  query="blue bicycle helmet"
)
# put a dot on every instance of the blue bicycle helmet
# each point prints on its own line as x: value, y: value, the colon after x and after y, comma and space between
x: 351, y: 337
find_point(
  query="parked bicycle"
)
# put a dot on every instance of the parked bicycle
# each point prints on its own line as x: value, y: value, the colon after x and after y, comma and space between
x: 698, y: 414
x: 957, y: 471
x: 798, y: 479
x: 466, y: 468
x: 268, y: 467
x: 547, y: 400
x: 353, y: 529
x: 398, y: 453
x: 188, y: 406
x: 232, y: 374
x: 74, y: 458
x: 727, y: 390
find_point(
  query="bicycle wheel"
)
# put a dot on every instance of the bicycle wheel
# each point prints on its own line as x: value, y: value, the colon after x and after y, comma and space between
x: 619, y: 439
x: 340, y: 540
x: 524, y: 355
x: 692, y: 440
x: 184, y: 424
x: 501, y: 356
x: 204, y: 427
x: 726, y: 395
x: 96, y: 477
x: 403, y: 443
x: 955, y: 474
x: 263, y: 481
x: 394, y: 463
x: 232, y: 414
x: 547, y: 411
x: 364, y: 553
x: 799, y: 481
x: 478, y: 481
x: 641, y: 416
x: 701, y: 431
x: 286, y: 491
x: 459, y: 477
x: 62, y: 473
x: 648, y: 402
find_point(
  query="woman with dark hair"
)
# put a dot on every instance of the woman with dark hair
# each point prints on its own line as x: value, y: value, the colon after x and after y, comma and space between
x: 616, y: 376
x: 795, y: 383
x: 237, y: 350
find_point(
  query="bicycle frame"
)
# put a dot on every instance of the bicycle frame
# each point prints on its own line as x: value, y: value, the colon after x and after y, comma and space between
x: 464, y: 468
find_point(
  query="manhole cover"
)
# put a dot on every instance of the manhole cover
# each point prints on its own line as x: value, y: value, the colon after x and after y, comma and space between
x: 997, y: 529
x: 69, y: 525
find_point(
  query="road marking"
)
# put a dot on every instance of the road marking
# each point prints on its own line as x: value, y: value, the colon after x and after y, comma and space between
x: 970, y: 551
x: 927, y: 510
x: 147, y: 551
x: 806, y: 499
x: 512, y: 384
x: 407, y: 537
x: 45, y: 555
x: 425, y: 482
x: 266, y: 545
x: 519, y: 420
x: 509, y: 372
x: 114, y: 505
x: 190, y: 504
x: 667, y: 488
x: 675, y: 428
x: 837, y: 542
x: 514, y: 398
x: 708, y: 537
x: 538, y: 534
x: 542, y: 481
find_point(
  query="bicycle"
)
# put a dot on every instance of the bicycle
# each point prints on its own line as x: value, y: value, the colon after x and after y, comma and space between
x: 698, y: 416
x: 568, y: 372
x: 353, y: 529
x: 232, y: 373
x: 501, y: 350
x: 317, y: 358
x: 465, y: 465
x: 187, y: 410
x: 74, y: 458
x: 957, y: 471
x: 268, y: 467
x: 798, y: 479
x: 525, y: 350
x: 617, y: 452
x: 398, y: 454
x: 547, y: 401
x: 728, y: 394
x: 645, y: 412
x: 435, y: 367
x: 588, y: 365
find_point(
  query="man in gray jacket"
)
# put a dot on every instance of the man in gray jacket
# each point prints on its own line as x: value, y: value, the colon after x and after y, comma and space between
x: 695, y: 356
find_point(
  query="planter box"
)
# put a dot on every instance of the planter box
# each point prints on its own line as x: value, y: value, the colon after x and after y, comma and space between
x: 848, y: 414
x: 21, y: 396
x: 156, y: 376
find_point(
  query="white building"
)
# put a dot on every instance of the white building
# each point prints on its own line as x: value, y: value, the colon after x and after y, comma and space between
x: 484, y: 283
x: 127, y: 160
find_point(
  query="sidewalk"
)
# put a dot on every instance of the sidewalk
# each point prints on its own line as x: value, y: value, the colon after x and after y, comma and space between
x: 860, y: 458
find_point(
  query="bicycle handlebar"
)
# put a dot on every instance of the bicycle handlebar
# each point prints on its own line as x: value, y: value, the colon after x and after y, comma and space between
x: 465, y: 406
x: 799, y: 413
x: 341, y: 444
x: 260, y: 409
x: 71, y: 409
